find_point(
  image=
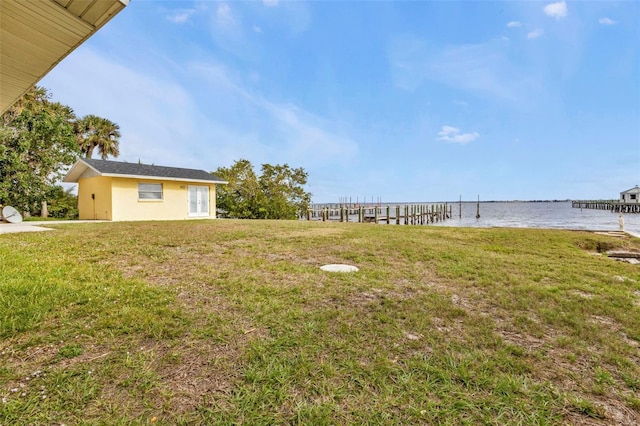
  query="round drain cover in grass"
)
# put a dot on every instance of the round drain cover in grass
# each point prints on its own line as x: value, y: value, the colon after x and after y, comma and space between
x: 339, y: 268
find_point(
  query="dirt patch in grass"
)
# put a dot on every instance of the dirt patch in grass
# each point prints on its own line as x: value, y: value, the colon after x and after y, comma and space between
x: 596, y: 244
x: 192, y: 371
x: 314, y: 232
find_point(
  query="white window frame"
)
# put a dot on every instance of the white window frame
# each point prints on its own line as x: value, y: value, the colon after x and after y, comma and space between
x: 147, y: 190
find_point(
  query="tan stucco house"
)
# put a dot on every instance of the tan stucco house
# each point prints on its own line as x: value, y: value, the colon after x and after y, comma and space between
x: 113, y: 190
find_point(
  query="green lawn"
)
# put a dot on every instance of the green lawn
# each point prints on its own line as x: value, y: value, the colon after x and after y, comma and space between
x: 228, y: 322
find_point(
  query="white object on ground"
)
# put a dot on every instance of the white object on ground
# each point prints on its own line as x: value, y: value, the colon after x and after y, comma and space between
x: 339, y: 268
x: 11, y: 215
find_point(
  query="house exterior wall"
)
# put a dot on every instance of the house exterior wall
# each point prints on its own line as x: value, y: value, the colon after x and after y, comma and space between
x: 98, y: 207
x: 117, y: 199
x: 630, y: 196
x: 173, y: 206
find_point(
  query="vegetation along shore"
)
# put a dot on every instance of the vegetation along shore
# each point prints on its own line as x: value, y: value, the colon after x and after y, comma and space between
x: 232, y: 321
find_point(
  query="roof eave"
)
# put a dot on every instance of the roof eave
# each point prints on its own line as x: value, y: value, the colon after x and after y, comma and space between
x: 27, y: 55
x: 77, y: 170
x: 174, y: 179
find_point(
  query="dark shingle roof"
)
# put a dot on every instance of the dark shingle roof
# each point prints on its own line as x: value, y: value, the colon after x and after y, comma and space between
x: 134, y: 169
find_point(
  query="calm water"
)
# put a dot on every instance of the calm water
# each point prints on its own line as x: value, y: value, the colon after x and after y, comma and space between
x: 540, y: 215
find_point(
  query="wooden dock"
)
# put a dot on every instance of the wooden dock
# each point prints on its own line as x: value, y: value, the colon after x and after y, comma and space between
x: 413, y: 214
x: 614, y: 206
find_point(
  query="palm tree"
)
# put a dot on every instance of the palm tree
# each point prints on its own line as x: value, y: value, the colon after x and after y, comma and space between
x: 96, y: 132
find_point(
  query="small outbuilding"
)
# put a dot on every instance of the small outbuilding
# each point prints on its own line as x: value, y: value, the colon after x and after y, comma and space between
x: 631, y: 195
x: 117, y: 191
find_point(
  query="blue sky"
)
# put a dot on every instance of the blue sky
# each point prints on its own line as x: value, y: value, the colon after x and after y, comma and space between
x: 402, y: 101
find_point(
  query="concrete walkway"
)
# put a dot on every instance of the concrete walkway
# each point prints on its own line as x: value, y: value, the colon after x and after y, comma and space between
x: 37, y: 226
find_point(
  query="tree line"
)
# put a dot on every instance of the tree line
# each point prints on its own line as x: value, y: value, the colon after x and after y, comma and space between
x: 277, y: 193
x: 39, y: 139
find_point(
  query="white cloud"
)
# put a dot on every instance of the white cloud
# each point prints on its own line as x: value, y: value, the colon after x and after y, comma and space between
x: 224, y: 16
x: 151, y: 112
x: 606, y: 21
x: 535, y: 34
x: 277, y: 132
x: 514, y: 24
x: 294, y: 16
x: 170, y: 119
x: 446, y: 130
x: 230, y: 33
x: 484, y: 68
x: 556, y: 10
x: 181, y: 16
x: 453, y: 135
x: 257, y: 29
x: 307, y: 135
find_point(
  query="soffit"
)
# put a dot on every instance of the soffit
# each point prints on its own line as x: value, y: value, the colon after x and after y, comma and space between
x: 35, y: 35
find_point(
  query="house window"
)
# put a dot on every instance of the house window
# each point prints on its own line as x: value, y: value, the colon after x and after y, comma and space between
x: 632, y: 196
x: 149, y: 191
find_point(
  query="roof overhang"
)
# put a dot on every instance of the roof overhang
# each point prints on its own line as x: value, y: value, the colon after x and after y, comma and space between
x: 83, y: 170
x: 35, y: 35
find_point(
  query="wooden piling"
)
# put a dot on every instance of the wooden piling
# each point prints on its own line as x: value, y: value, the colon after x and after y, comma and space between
x: 412, y: 214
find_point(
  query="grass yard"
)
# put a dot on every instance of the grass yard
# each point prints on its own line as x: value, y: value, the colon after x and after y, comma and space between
x: 233, y: 322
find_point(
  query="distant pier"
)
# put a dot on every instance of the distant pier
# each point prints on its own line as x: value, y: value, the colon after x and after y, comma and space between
x: 614, y: 206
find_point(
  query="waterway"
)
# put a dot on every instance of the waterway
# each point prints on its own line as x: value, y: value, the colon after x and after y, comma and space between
x: 554, y: 215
